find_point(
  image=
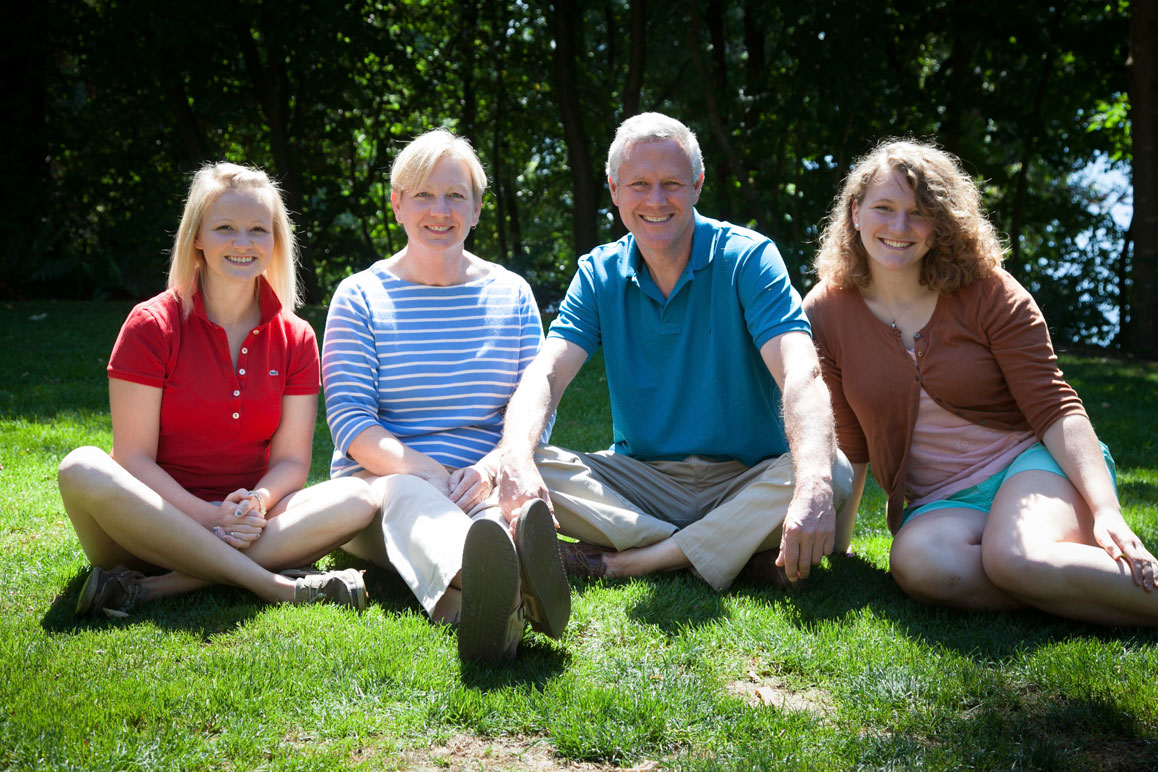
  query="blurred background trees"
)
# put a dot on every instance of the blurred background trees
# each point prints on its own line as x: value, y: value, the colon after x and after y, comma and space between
x: 111, y: 104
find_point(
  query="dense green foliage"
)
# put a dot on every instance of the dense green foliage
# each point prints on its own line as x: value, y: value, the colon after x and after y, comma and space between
x: 661, y: 669
x: 119, y: 100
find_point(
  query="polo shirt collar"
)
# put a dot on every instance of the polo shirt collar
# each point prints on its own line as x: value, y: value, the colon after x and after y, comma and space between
x: 703, y: 247
x: 270, y: 304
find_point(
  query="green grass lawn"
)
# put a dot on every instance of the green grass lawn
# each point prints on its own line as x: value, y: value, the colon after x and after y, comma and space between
x: 659, y: 673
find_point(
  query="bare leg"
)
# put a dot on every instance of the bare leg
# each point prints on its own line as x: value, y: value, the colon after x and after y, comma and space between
x: 303, y: 527
x: 664, y: 555
x: 936, y: 558
x: 119, y: 519
x: 764, y: 499
x: 1039, y: 546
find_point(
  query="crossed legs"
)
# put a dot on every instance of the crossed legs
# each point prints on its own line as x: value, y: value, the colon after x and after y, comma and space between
x: 666, y: 515
x: 120, y: 520
x: 1036, y: 548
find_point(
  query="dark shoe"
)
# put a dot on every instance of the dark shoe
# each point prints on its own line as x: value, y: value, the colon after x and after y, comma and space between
x: 582, y: 560
x: 490, y: 624
x: 115, y: 592
x: 761, y: 568
x: 546, y: 594
x: 345, y: 587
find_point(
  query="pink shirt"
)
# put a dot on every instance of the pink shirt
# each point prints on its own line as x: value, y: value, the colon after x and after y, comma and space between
x: 950, y: 454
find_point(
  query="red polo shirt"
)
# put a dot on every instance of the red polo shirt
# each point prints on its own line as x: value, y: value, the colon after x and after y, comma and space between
x: 216, y: 422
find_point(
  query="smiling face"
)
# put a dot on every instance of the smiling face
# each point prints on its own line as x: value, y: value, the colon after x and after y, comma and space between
x: 655, y: 194
x: 438, y: 214
x: 236, y: 236
x: 895, y: 233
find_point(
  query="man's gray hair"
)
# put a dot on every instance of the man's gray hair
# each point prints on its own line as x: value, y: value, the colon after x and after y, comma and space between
x: 653, y: 127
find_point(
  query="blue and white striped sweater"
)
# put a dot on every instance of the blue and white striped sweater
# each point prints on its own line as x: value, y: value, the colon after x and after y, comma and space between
x: 434, y: 366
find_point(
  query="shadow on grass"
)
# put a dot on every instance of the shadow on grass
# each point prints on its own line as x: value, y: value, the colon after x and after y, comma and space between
x: 205, y: 613
x: 1044, y: 731
x: 853, y: 584
x: 539, y: 661
x: 678, y: 601
x: 1138, y: 493
x: 209, y: 612
x: 539, y: 658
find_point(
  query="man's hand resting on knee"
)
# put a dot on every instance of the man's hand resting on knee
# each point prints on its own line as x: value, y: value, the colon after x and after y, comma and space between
x: 809, y: 529
x: 520, y: 482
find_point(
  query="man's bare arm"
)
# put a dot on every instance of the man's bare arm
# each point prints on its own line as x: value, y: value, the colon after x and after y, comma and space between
x: 810, y: 524
x: 528, y: 411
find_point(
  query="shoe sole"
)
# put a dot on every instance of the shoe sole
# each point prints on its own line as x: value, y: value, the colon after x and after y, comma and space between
x: 490, y: 591
x: 88, y: 592
x: 546, y: 592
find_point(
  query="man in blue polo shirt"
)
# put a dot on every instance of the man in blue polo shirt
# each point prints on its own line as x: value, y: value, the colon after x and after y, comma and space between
x: 725, y: 455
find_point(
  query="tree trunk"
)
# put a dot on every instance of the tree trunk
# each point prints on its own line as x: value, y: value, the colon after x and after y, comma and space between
x: 1122, y: 281
x: 25, y: 223
x: 731, y: 163
x: 498, y: 131
x: 636, y: 58
x: 1029, y: 152
x: 754, y: 74
x: 469, y: 9
x: 1143, y: 329
x: 469, y: 128
x: 271, y: 87
x: 566, y: 19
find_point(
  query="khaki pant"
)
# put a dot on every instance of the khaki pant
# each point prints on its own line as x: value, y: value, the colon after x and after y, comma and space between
x: 719, y: 512
x: 419, y: 533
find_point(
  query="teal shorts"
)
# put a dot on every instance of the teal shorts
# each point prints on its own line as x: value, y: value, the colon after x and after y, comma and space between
x: 980, y: 496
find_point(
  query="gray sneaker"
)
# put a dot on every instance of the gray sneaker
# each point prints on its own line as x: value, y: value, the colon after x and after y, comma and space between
x: 546, y: 593
x: 345, y: 587
x: 115, y: 592
x: 491, y: 622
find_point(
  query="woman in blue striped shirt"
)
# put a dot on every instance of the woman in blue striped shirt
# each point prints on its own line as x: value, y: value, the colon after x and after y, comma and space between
x: 422, y: 351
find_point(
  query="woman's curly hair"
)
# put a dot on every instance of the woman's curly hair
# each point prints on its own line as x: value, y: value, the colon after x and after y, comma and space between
x: 965, y: 247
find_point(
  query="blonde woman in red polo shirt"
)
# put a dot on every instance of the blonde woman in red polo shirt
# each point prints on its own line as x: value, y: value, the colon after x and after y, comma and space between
x: 943, y: 377
x: 213, y: 389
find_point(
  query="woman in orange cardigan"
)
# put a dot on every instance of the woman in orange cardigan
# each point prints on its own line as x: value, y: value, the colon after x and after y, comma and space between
x: 944, y: 378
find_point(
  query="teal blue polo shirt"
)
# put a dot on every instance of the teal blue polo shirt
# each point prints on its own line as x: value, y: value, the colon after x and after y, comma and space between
x: 685, y: 373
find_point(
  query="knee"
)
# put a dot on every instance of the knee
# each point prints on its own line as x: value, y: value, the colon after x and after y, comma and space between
x: 1008, y: 563
x: 841, y: 480
x: 397, y: 487
x: 84, y: 470
x: 923, y: 571
x: 360, y: 498
x: 404, y: 495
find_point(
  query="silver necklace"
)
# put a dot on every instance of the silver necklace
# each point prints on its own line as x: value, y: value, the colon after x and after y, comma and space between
x: 898, y: 314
